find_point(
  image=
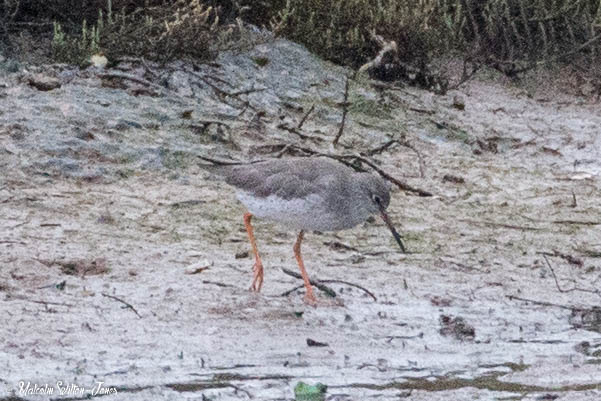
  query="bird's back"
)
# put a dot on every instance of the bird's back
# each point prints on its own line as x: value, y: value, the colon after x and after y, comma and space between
x: 300, y: 193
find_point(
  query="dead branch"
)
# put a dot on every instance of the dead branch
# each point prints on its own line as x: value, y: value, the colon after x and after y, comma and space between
x: 294, y: 130
x: 246, y: 91
x: 577, y: 222
x: 543, y: 303
x: 223, y: 94
x: 127, y: 304
x: 568, y: 258
x: 133, y: 78
x: 352, y: 285
x: 219, y: 162
x: 327, y: 290
x: 218, y: 284
x: 422, y: 164
x: 45, y: 303
x: 302, y: 121
x: 344, y: 105
x: 502, y: 225
x: 398, y: 183
x: 330, y: 292
x: 382, y: 148
x: 423, y: 111
x: 564, y: 290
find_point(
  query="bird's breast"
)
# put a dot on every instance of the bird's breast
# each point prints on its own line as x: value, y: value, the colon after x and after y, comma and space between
x: 309, y: 213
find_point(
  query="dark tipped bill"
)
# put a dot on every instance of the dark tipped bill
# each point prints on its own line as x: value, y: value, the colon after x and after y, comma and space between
x: 396, y: 235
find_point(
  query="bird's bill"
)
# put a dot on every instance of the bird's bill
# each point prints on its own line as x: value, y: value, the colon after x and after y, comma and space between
x: 395, y: 234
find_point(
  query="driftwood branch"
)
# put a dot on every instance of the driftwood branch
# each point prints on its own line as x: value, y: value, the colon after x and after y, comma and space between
x: 543, y: 303
x: 302, y: 121
x: 317, y: 283
x: 327, y: 290
x: 564, y: 290
x: 344, y: 105
x: 127, y: 304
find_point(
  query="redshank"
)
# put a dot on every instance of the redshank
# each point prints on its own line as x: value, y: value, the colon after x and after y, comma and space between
x: 305, y: 194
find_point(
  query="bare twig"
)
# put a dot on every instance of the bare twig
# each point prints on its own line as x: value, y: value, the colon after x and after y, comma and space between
x: 383, y: 147
x: 327, y: 290
x: 423, y: 111
x: 46, y: 302
x: 127, y: 304
x: 422, y: 164
x: 298, y: 287
x: 246, y: 91
x: 563, y: 290
x: 398, y: 183
x: 317, y: 284
x: 223, y: 94
x: 352, y: 285
x: 219, y: 162
x: 344, y: 105
x: 502, y: 225
x: 133, y: 78
x: 568, y: 258
x: 577, y: 222
x: 294, y: 130
x: 543, y: 303
x: 302, y: 121
x: 218, y: 284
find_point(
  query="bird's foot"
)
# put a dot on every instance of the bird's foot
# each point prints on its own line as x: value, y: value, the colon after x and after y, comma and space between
x: 310, y: 299
x: 258, y: 277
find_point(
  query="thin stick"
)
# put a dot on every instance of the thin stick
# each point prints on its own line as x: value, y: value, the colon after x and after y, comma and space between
x: 46, y: 303
x: 543, y: 303
x: 132, y: 78
x: 382, y: 147
x: 302, y: 121
x: 128, y: 305
x: 317, y: 284
x: 575, y: 288
x: 352, y: 285
x: 327, y: 290
x: 345, y: 105
x: 392, y: 179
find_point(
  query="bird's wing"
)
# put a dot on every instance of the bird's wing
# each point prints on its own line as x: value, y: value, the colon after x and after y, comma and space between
x: 288, y: 179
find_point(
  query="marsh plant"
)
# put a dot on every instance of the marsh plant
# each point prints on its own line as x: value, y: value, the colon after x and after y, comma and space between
x: 180, y: 29
x: 505, y: 30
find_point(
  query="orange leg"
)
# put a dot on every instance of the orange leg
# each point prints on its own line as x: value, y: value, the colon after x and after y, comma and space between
x: 309, y: 297
x: 258, y: 267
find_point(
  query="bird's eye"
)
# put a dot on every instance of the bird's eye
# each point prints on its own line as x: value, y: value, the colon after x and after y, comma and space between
x: 376, y: 199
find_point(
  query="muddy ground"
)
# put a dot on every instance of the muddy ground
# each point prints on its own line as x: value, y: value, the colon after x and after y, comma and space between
x: 123, y: 262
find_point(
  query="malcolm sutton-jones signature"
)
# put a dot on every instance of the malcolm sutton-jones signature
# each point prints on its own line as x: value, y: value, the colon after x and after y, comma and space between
x: 62, y: 388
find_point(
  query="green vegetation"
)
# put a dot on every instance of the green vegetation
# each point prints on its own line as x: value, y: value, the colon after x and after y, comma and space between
x: 500, y: 33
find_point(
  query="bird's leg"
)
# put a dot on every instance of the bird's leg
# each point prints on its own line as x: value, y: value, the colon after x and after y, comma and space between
x: 309, y: 297
x: 258, y: 267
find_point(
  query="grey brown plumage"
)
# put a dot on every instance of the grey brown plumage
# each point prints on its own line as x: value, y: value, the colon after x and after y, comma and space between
x: 306, y: 194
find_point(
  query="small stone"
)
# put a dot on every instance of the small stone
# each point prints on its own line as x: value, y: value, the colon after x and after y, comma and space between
x: 453, y: 178
x: 241, y: 255
x: 198, y: 267
x: 458, y: 102
x: 43, y: 82
x: 456, y: 327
